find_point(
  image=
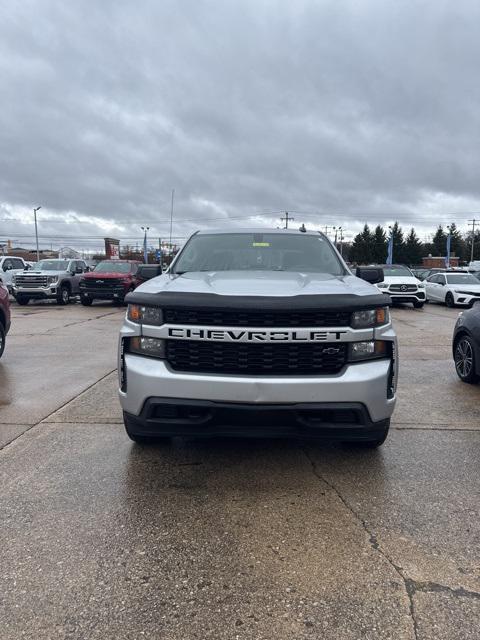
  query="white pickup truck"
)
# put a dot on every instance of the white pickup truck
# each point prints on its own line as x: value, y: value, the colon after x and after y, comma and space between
x: 9, y: 266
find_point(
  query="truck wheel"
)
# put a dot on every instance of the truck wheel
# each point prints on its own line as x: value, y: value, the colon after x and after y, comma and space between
x: 86, y: 301
x: 375, y: 442
x: 22, y: 300
x: 2, y: 339
x: 418, y: 305
x: 63, y: 296
x: 449, y: 301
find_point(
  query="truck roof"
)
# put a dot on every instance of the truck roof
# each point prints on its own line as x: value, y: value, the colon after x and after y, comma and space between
x: 258, y: 230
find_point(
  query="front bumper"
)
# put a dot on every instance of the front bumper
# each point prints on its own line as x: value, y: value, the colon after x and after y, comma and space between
x: 39, y: 293
x: 465, y: 299
x: 112, y: 293
x: 176, y: 416
x: 365, y: 383
x: 409, y: 296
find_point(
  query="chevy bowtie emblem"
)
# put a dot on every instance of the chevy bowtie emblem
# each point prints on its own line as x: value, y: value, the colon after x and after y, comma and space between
x: 98, y: 281
x: 330, y: 351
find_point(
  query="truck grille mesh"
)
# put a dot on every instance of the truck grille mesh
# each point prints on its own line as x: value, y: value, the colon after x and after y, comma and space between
x: 31, y: 281
x: 255, y: 359
x: 241, y: 318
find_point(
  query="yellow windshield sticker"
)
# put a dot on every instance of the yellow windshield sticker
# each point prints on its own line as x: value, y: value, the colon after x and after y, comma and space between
x: 260, y: 244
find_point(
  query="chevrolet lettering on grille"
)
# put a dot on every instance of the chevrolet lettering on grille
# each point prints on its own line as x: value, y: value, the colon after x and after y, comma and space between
x: 241, y: 335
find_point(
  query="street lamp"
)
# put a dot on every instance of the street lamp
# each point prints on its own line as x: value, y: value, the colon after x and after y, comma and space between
x: 145, y: 252
x: 36, y: 231
x: 449, y: 242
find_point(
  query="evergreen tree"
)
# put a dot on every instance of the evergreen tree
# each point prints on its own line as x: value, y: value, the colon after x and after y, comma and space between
x: 413, y: 250
x: 457, y: 245
x: 361, y: 249
x: 398, y: 244
x: 379, y: 245
x: 439, y: 242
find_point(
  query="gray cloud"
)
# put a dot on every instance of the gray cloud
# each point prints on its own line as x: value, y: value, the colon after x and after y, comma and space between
x: 345, y: 111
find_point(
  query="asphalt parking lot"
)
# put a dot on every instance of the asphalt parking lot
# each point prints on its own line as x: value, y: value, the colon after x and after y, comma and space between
x: 104, y: 539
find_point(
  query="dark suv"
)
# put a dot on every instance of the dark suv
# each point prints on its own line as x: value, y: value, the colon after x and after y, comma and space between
x: 4, y: 316
x: 110, y: 280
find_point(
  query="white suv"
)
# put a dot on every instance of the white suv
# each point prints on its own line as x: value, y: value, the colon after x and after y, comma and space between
x: 401, y: 285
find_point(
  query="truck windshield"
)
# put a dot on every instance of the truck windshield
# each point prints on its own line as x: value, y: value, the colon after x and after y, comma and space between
x: 113, y: 267
x: 259, y: 251
x: 51, y: 265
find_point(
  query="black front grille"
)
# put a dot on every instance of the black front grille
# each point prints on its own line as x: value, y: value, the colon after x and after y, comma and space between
x: 255, y: 359
x: 239, y: 318
x: 403, y: 287
x: 100, y: 283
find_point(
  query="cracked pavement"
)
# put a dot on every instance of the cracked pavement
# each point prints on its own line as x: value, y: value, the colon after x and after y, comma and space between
x: 231, y: 539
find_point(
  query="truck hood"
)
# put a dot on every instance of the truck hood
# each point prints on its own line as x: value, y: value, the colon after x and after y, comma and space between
x: 31, y: 272
x: 108, y: 275
x: 258, y: 283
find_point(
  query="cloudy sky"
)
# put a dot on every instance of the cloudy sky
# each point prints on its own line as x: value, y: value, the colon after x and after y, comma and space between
x: 341, y: 111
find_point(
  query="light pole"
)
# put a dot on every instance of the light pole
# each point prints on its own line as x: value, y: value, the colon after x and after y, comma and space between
x: 145, y: 252
x: 36, y: 231
x: 449, y: 242
x: 390, y: 247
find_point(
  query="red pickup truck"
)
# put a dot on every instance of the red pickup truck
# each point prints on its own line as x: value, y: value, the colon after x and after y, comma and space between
x: 4, y: 316
x: 110, y: 280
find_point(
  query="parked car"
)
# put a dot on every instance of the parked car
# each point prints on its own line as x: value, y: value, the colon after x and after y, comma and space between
x: 466, y: 345
x: 9, y: 266
x: 110, y: 280
x: 423, y: 274
x: 49, y: 279
x: 259, y: 333
x: 452, y: 288
x: 4, y: 316
x: 401, y: 285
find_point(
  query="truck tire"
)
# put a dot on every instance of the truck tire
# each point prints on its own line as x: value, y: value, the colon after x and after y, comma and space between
x: 375, y: 442
x: 22, y: 299
x: 85, y: 301
x: 2, y: 339
x: 63, y: 296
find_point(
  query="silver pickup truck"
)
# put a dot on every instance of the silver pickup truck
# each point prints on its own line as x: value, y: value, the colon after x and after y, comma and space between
x: 54, y: 279
x: 259, y: 333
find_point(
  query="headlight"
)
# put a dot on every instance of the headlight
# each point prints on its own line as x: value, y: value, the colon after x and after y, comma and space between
x: 382, y: 285
x: 367, y: 350
x: 421, y: 285
x: 52, y: 279
x: 145, y: 315
x: 369, y: 318
x: 153, y: 347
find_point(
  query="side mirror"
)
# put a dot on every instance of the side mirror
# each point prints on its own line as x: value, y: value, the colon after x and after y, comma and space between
x: 370, y: 274
x: 79, y: 270
x: 149, y: 271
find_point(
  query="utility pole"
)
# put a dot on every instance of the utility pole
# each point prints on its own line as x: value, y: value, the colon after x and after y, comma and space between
x: 36, y: 231
x: 473, y: 222
x: 327, y: 227
x: 341, y: 242
x: 287, y: 219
